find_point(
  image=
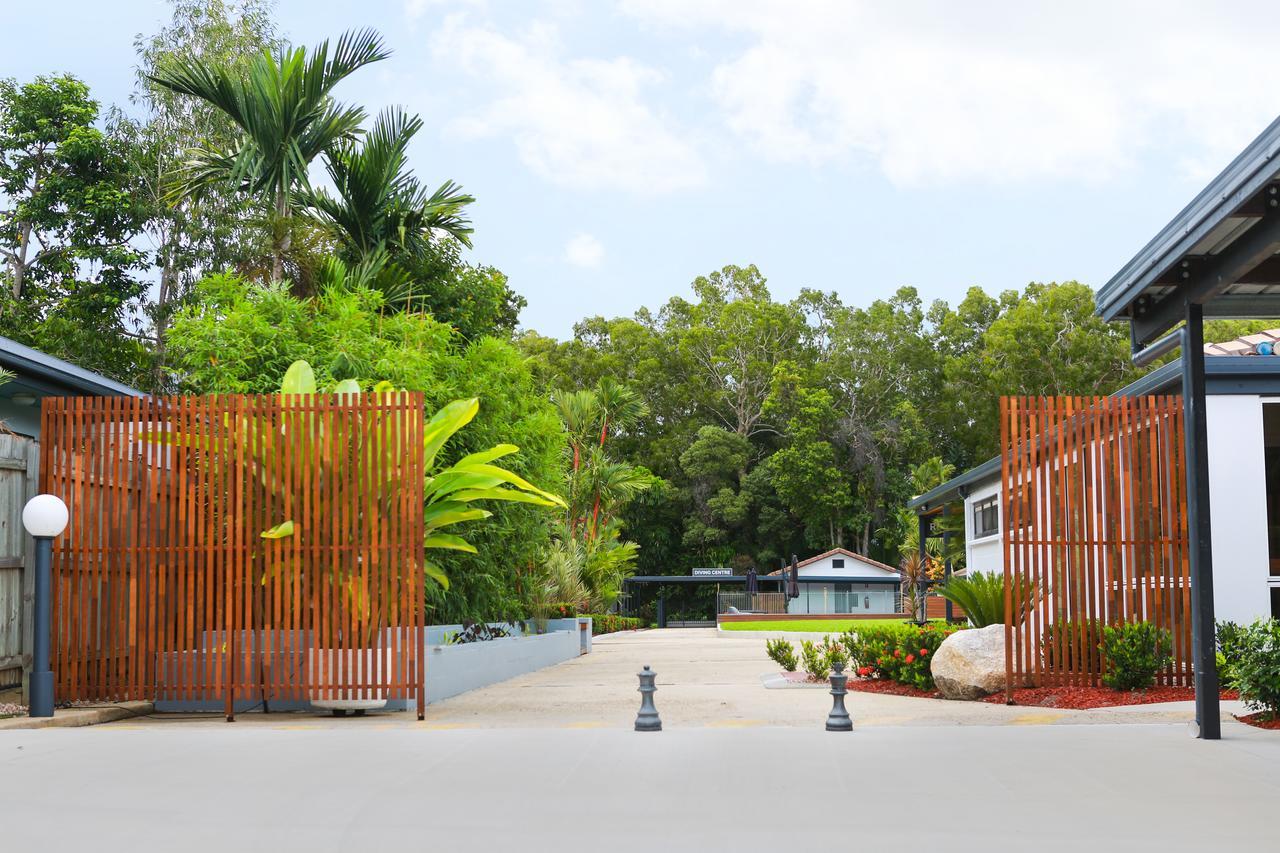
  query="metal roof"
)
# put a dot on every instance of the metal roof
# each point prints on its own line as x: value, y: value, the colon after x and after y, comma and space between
x: 1220, y: 250
x: 46, y: 375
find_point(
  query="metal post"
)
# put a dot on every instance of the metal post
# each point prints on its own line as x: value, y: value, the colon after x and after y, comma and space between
x: 922, y: 587
x: 662, y: 612
x: 1199, y: 527
x: 41, y: 675
x: 946, y: 558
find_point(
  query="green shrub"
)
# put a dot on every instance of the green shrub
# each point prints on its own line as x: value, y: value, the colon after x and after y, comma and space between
x: 607, y: 623
x: 1073, y: 646
x: 898, y: 652
x: 835, y: 653
x: 814, y: 658
x: 1230, y: 644
x: 1257, y: 671
x: 782, y: 653
x: 1134, y: 652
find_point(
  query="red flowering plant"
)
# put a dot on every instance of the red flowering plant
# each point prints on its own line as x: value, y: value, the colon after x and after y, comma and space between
x: 898, y: 652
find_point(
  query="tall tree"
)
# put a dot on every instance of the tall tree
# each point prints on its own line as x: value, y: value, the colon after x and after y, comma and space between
x: 70, y: 214
x: 192, y: 237
x: 283, y: 106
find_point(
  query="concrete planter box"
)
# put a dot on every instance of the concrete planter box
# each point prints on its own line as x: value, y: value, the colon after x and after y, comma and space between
x: 451, y: 669
x: 454, y: 669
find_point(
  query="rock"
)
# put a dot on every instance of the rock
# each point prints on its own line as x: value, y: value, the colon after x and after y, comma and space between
x: 970, y: 664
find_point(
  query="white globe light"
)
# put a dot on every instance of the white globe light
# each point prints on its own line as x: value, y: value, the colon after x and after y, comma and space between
x: 45, y: 515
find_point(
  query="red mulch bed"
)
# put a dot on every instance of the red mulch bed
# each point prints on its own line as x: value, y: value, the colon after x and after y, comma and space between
x: 1080, y: 698
x: 1261, y: 720
x: 1074, y: 698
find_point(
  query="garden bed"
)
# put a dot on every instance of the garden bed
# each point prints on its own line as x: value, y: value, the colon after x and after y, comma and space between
x: 1084, y: 698
x: 1261, y: 720
x: 865, y: 685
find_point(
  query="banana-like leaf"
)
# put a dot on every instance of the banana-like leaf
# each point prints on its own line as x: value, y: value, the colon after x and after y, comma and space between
x: 448, y: 540
x: 385, y: 387
x: 496, y: 452
x: 298, y: 379
x: 434, y: 572
x: 508, y: 477
x: 346, y: 386
x: 282, y: 530
x: 443, y: 424
x: 448, y: 481
x: 501, y: 495
x: 453, y: 516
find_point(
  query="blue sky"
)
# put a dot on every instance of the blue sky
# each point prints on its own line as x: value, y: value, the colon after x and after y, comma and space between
x: 619, y: 149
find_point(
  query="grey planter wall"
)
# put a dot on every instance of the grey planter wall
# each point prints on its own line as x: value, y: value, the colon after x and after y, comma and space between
x: 451, y: 669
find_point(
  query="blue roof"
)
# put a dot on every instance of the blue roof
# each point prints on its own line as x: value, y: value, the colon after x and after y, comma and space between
x: 52, y: 375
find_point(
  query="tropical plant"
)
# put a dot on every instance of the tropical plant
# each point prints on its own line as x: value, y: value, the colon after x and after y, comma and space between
x: 782, y: 653
x: 981, y: 596
x: 283, y: 107
x: 379, y: 206
x: 448, y: 491
x: 1133, y: 653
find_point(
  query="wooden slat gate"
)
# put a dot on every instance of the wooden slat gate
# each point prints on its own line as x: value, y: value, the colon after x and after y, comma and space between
x: 175, y: 580
x: 1095, y: 532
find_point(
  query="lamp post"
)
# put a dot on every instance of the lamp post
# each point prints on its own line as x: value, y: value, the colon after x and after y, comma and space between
x: 44, y: 517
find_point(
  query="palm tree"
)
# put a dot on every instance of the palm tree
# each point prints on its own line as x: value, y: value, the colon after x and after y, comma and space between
x: 380, y: 205
x: 282, y: 106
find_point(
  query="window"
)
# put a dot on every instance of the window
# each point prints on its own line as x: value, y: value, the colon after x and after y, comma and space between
x: 837, y: 563
x: 986, y: 518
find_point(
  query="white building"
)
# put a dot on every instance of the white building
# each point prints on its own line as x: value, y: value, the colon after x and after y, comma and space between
x: 840, y: 581
x: 1243, y: 425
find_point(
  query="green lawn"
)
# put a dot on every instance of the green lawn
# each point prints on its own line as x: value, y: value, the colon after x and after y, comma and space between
x: 816, y: 626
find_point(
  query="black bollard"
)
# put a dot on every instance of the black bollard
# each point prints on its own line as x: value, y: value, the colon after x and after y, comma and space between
x: 647, y: 720
x: 838, y: 720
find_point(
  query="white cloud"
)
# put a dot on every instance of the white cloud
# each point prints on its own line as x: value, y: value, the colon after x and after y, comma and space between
x: 584, y: 251
x: 584, y: 123
x: 984, y: 91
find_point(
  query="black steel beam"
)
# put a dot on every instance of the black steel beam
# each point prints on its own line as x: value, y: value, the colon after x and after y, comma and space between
x: 1206, y: 279
x: 1199, y: 527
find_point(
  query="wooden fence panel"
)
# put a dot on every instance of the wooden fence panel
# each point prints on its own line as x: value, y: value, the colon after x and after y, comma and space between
x: 233, y: 548
x: 1095, y: 532
x: 18, y: 458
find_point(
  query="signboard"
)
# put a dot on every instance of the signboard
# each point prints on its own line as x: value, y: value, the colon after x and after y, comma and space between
x: 713, y: 573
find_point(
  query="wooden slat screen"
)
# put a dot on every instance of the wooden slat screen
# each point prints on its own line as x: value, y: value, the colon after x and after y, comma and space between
x: 1095, y: 532
x: 165, y: 587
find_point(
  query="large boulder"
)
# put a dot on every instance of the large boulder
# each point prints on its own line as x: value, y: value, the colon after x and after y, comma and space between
x: 970, y: 664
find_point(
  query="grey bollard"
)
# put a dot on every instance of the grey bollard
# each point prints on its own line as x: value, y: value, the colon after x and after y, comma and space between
x: 647, y: 720
x: 838, y: 720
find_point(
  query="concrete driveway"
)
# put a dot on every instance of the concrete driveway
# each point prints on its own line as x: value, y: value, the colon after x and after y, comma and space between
x: 365, y: 788
x: 547, y: 761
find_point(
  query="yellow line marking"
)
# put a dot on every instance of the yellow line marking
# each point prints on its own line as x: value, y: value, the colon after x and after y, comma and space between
x: 586, y: 724
x: 1035, y: 719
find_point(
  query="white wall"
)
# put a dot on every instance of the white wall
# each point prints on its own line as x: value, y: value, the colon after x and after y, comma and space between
x: 985, y: 554
x: 1238, y: 507
x: 853, y: 568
